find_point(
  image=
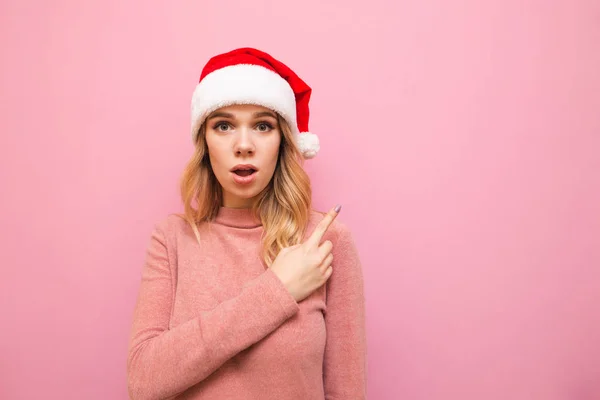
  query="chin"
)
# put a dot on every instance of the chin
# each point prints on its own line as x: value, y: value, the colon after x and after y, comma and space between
x: 246, y: 193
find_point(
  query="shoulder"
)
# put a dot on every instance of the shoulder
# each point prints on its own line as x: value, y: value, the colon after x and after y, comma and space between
x: 344, y: 247
x: 171, y: 226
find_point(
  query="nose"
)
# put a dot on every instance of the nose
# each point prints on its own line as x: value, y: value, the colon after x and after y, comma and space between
x: 244, y: 145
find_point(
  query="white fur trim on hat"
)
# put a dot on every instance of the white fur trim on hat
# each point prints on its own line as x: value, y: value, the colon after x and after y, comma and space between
x: 308, y: 144
x: 242, y: 84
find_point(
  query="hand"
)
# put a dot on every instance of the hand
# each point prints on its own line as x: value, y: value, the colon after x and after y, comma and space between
x: 305, y: 267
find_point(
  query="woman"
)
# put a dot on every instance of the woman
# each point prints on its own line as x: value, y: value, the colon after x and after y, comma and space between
x: 250, y: 294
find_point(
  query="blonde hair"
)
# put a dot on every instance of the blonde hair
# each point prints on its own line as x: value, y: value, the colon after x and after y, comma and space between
x: 283, y: 207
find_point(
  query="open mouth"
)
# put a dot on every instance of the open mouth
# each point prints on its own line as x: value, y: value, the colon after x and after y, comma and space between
x: 244, y: 172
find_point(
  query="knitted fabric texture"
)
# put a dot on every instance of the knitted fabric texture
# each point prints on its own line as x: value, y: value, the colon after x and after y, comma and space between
x: 212, y: 322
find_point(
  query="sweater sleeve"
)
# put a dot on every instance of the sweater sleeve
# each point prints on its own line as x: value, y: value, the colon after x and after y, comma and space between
x: 164, y: 362
x: 344, y: 363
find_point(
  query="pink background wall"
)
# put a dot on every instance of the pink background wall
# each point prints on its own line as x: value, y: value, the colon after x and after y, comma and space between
x: 462, y: 139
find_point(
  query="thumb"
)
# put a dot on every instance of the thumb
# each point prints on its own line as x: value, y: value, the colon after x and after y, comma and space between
x: 287, y: 249
x: 293, y: 247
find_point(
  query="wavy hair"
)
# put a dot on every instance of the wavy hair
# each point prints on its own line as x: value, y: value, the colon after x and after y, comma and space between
x: 283, y: 207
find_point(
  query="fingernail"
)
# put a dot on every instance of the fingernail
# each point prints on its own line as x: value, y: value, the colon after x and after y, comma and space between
x: 337, y: 208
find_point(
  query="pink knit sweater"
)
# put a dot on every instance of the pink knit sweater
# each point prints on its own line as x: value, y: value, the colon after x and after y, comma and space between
x: 212, y: 322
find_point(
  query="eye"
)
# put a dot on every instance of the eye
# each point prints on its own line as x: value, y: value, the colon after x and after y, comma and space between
x: 221, y: 126
x: 264, y: 127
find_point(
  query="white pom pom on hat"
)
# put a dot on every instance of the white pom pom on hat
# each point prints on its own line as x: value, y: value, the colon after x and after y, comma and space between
x: 251, y: 76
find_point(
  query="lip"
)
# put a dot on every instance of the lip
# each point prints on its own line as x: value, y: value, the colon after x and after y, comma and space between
x: 244, y: 180
x: 243, y: 167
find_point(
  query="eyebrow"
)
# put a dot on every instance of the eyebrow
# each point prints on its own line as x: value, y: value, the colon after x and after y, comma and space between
x: 260, y: 114
x: 264, y: 114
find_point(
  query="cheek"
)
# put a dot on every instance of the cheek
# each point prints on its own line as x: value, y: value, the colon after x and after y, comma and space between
x: 274, y: 148
x: 272, y: 153
x: 215, y: 154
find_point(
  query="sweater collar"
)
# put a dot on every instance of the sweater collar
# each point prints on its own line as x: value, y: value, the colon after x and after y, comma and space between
x: 237, y: 218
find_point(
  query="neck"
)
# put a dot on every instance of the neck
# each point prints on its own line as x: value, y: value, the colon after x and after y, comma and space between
x: 237, y: 217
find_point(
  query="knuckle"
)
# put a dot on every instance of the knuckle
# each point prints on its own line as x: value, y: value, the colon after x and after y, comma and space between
x: 316, y: 259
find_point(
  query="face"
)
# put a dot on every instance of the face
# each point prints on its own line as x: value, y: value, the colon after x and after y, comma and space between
x: 243, y: 146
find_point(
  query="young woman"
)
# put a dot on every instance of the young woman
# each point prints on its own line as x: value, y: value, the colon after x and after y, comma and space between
x: 249, y: 294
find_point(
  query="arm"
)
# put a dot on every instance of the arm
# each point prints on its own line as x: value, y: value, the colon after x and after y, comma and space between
x: 163, y: 362
x: 344, y: 364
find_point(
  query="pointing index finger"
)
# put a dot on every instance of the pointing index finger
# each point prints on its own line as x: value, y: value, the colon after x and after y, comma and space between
x: 321, y: 228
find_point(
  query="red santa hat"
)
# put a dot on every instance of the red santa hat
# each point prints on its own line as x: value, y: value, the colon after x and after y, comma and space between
x: 250, y: 76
